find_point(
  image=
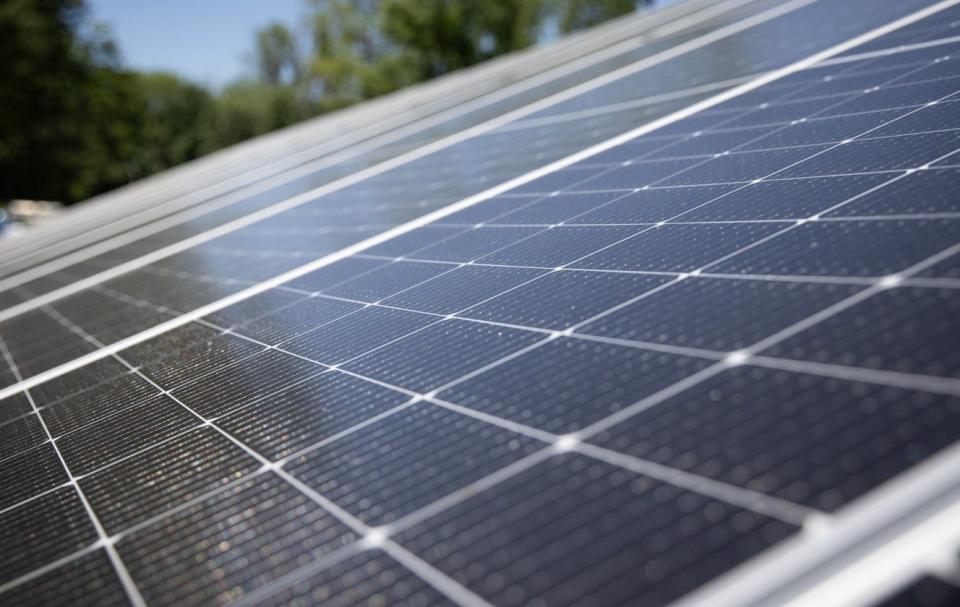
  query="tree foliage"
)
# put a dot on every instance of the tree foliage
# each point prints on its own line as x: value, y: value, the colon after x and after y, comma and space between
x: 75, y: 122
x: 277, y: 55
x: 63, y: 104
x: 442, y: 35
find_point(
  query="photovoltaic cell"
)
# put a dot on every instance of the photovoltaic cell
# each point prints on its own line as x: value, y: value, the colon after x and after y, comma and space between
x: 568, y: 384
x: 280, y: 529
x: 811, y: 441
x: 925, y: 592
x: 90, y: 576
x: 367, y: 574
x: 309, y: 412
x: 44, y: 529
x: 612, y: 518
x: 404, y: 462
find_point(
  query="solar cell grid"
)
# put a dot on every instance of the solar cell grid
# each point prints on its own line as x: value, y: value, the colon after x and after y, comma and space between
x: 353, y: 579
x: 454, y: 430
x: 20, y: 434
x: 375, y: 187
x: 596, y: 63
x: 949, y: 268
x: 308, y: 414
x: 30, y: 473
x: 807, y: 440
x: 90, y: 576
x: 44, y: 529
x: 152, y: 482
x: 573, y: 505
x: 163, y: 555
x: 925, y: 592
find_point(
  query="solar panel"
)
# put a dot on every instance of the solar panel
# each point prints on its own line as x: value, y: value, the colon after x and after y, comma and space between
x: 683, y: 333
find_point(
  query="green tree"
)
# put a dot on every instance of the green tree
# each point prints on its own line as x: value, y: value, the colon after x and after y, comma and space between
x: 249, y: 108
x: 445, y: 35
x: 277, y: 55
x: 65, y: 107
x: 177, y: 123
x: 579, y: 14
x: 351, y: 59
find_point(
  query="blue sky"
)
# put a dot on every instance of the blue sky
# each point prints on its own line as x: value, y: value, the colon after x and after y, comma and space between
x: 208, y: 41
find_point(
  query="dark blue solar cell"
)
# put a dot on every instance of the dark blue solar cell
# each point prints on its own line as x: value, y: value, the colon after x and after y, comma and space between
x: 368, y: 577
x: 555, y: 209
x: 21, y: 433
x: 441, y: 353
x: 928, y: 191
x: 717, y: 314
x: 846, y: 248
x: 637, y: 175
x: 598, y: 522
x: 823, y: 130
x: 413, y: 240
x: 912, y: 330
x: 945, y: 66
x: 882, y: 154
x: 804, y: 438
x: 784, y: 111
x: 169, y: 364
x: 244, y: 381
x: 335, y: 273
x: 246, y: 536
x: 782, y: 88
x: 164, y: 477
x: 43, y: 530
x: 16, y: 406
x: 146, y: 424
x: 79, y: 380
x: 387, y: 280
x: 30, y: 473
x: 254, y: 307
x: 701, y: 121
x: 949, y: 160
x: 785, y: 198
x: 653, y: 205
x: 927, y: 591
x: 488, y: 209
x: 91, y: 576
x: 715, y: 142
x: 558, y: 246
x: 296, y: 319
x: 407, y: 460
x: 91, y: 405
x: 562, y: 298
x: 946, y: 268
x: 678, y: 247
x: 742, y: 166
x: 633, y: 150
x: 558, y: 180
x: 899, y: 95
x: 307, y: 412
x: 944, y: 115
x: 461, y: 288
x: 473, y: 244
x: 857, y: 82
x: 568, y: 384
x: 356, y: 334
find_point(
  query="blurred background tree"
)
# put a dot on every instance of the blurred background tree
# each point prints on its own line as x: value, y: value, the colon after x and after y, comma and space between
x: 76, y: 122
